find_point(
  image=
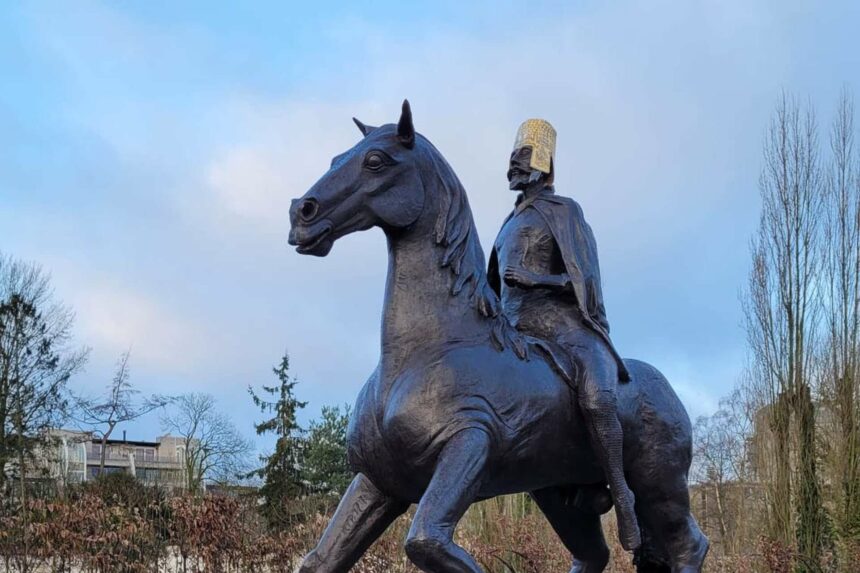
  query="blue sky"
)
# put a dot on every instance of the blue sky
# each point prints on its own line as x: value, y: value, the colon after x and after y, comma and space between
x: 148, y: 153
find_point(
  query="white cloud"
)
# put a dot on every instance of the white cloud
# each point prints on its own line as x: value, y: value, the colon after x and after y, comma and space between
x: 651, y: 142
x: 286, y: 146
x: 113, y: 318
x: 246, y: 183
x: 637, y: 127
x: 658, y: 109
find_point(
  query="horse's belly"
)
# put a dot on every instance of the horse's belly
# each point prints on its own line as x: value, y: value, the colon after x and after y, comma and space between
x: 537, y: 431
x: 551, y: 458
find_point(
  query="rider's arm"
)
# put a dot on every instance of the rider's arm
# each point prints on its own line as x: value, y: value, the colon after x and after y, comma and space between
x: 556, y: 282
x: 517, y: 275
x: 522, y: 278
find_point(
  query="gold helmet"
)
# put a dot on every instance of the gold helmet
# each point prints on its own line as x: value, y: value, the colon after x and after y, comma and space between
x: 538, y: 135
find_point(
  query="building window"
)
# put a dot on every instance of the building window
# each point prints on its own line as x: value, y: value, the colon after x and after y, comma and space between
x: 149, y: 476
x: 77, y: 461
x: 95, y: 471
x: 144, y: 454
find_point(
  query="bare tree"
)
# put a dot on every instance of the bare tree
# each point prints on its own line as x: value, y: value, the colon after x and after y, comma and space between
x: 120, y: 404
x: 214, y: 448
x: 721, y: 462
x: 782, y: 310
x: 36, y: 361
x: 842, y: 298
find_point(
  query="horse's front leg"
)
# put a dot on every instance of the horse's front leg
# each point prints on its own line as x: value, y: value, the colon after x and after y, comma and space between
x: 454, y: 486
x: 361, y: 517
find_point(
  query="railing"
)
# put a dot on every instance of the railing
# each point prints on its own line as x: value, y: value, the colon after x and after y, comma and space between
x: 91, y: 456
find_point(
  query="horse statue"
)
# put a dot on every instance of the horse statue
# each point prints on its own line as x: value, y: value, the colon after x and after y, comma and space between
x: 461, y: 407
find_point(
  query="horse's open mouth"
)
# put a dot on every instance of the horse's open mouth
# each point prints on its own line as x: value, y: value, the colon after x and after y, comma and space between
x: 316, y: 242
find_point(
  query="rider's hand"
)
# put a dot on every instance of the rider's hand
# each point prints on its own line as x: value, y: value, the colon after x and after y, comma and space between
x: 516, y: 277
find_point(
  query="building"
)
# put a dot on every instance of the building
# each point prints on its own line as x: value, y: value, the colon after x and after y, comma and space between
x: 78, y: 458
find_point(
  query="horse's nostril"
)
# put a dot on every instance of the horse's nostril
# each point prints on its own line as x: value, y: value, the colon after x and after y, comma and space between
x: 309, y: 209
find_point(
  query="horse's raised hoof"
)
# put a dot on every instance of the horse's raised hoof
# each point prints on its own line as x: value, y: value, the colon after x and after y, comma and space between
x: 310, y: 564
x: 430, y: 553
x: 589, y: 566
x: 695, y: 560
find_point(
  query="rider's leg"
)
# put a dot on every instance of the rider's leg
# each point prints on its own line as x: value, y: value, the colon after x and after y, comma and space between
x: 597, y: 383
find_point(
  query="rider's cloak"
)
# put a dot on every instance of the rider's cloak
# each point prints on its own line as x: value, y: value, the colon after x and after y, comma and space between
x: 578, y: 249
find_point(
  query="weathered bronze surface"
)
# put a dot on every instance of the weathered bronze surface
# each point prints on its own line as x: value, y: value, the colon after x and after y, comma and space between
x: 544, y: 267
x: 464, y: 405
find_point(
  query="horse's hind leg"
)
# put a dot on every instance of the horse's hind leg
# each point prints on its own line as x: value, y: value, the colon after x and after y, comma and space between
x: 685, y: 545
x: 453, y: 487
x: 578, y: 528
x: 361, y: 517
x: 688, y: 547
x: 672, y: 535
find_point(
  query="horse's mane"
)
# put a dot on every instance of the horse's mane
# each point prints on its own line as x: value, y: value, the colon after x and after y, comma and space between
x: 456, y: 233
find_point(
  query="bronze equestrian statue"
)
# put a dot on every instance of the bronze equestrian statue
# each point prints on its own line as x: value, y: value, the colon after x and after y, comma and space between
x: 550, y: 288
x: 463, y: 406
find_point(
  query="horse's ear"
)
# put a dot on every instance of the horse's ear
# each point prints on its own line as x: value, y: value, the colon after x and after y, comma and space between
x: 364, y: 129
x: 405, y: 129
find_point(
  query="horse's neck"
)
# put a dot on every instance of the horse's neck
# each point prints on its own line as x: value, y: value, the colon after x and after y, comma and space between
x: 419, y: 310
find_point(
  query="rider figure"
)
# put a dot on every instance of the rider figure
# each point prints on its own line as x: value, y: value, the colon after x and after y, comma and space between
x: 549, y: 286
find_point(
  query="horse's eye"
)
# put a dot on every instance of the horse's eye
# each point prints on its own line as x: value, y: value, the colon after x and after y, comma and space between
x: 374, y: 161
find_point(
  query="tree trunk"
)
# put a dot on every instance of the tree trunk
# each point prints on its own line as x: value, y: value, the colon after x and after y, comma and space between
x: 25, y: 511
x: 781, y: 521
x: 810, y: 518
x: 105, y: 438
x: 721, y: 514
x: 850, y: 455
x: 4, y: 446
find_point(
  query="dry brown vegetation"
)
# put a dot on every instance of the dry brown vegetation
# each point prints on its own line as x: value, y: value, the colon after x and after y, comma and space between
x: 116, y: 526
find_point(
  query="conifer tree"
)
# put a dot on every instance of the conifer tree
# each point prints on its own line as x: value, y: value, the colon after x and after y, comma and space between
x: 36, y: 362
x: 325, y: 465
x: 281, y: 471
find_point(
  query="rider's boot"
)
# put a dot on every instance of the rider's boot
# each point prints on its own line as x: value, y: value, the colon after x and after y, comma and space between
x: 607, y: 440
